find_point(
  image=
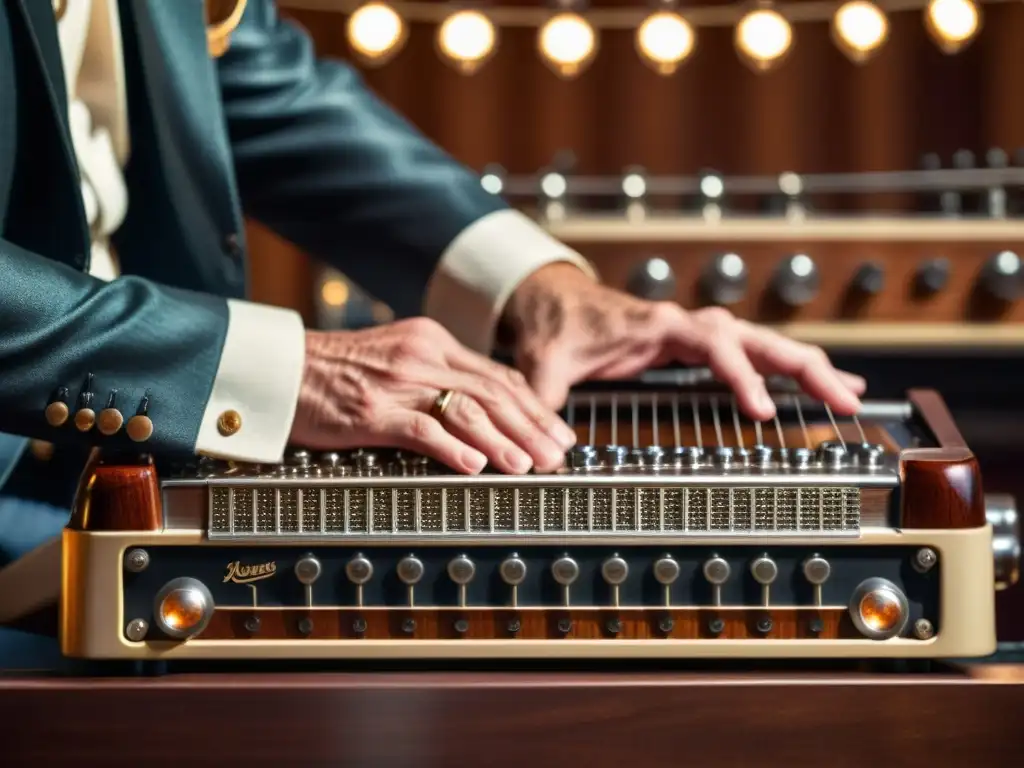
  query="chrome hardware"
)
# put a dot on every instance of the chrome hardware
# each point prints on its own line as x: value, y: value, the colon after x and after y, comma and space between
x: 565, y: 571
x: 925, y: 559
x: 136, y: 630
x: 653, y: 280
x: 1001, y: 514
x: 410, y: 570
x: 797, y: 279
x: 308, y: 570
x: 716, y: 571
x: 765, y: 571
x: 136, y: 560
x: 615, y: 456
x: 817, y: 571
x: 884, y: 597
x: 461, y: 570
x: 724, y: 281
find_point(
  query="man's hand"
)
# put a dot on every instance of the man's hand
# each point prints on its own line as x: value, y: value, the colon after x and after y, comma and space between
x: 566, y: 328
x: 376, y: 388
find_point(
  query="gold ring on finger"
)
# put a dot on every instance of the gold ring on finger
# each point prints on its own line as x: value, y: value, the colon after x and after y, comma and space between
x: 441, y: 403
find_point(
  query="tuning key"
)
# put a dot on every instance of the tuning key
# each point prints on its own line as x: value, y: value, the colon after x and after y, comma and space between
x: 1003, y: 276
x: 653, y: 280
x: 724, y: 281
x: 870, y: 278
x: 797, y: 280
x: 932, y: 276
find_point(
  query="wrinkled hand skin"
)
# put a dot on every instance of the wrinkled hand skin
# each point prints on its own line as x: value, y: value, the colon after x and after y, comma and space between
x: 376, y: 388
x: 566, y: 328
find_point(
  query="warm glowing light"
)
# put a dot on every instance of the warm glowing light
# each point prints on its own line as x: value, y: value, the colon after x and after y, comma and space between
x: 568, y: 43
x: 859, y: 28
x: 952, y: 23
x: 376, y: 32
x: 334, y: 293
x: 664, y: 41
x: 881, y: 611
x: 182, y: 609
x: 763, y: 37
x: 467, y: 38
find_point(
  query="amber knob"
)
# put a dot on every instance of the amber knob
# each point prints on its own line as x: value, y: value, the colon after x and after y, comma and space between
x: 140, y: 426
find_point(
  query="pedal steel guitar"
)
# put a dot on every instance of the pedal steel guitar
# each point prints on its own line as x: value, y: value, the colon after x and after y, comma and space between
x: 677, y: 529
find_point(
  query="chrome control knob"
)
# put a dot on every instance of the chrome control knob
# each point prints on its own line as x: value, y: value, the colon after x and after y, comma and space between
x: 764, y: 570
x: 565, y: 570
x: 359, y: 570
x: 1002, y: 277
x: 308, y: 570
x: 932, y: 276
x: 870, y: 279
x: 410, y: 570
x: 615, y: 570
x: 653, y: 280
x: 666, y: 570
x: 513, y: 570
x: 461, y: 570
x: 716, y: 570
x: 817, y: 570
x: 797, y: 280
x: 724, y: 281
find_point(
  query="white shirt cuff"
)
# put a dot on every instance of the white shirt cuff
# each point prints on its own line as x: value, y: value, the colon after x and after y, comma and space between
x: 481, y: 268
x: 258, y: 378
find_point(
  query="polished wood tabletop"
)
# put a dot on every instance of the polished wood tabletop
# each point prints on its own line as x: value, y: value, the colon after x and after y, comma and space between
x: 971, y: 716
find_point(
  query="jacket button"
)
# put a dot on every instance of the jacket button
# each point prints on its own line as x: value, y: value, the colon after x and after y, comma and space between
x: 229, y: 423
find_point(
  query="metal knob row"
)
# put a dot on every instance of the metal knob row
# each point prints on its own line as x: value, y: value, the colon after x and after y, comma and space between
x: 797, y: 280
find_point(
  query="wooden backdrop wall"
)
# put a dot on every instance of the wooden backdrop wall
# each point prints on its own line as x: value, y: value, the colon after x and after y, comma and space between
x: 816, y: 113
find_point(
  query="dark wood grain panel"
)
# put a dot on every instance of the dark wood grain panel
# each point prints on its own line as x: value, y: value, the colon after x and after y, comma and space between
x: 121, y: 496
x: 540, y: 624
x: 932, y: 409
x: 443, y: 718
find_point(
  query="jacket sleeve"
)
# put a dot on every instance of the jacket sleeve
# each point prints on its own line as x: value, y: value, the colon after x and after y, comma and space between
x: 323, y: 162
x: 60, y: 328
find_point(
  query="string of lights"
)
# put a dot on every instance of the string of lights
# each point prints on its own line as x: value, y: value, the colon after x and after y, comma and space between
x: 666, y: 35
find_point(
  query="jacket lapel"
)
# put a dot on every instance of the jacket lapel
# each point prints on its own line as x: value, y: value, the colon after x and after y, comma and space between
x: 180, y: 86
x: 42, y: 28
x: 53, y: 153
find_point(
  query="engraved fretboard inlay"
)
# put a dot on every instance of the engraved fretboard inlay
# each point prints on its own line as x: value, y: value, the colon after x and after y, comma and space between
x: 481, y: 511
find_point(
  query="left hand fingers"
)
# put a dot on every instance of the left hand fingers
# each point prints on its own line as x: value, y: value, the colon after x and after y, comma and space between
x: 738, y: 352
x: 774, y: 353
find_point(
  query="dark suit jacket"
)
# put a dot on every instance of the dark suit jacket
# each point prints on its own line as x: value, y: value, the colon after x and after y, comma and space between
x: 268, y: 130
